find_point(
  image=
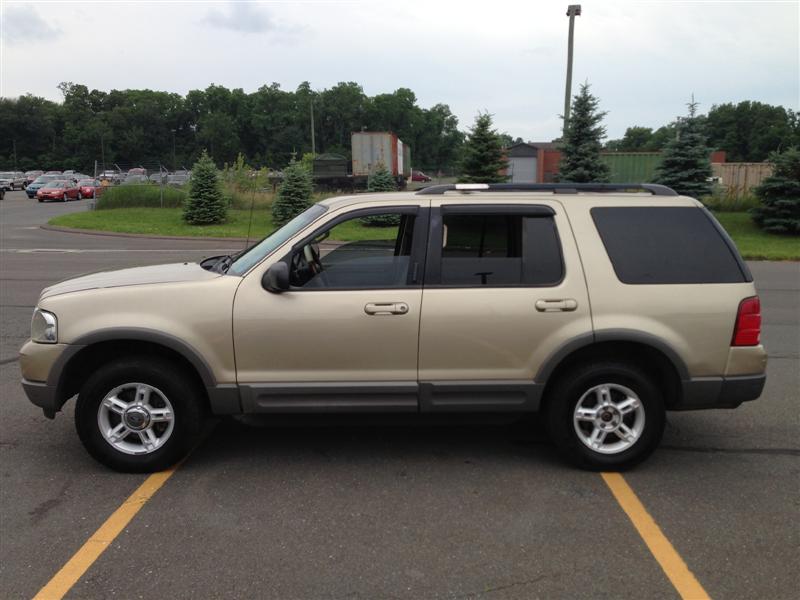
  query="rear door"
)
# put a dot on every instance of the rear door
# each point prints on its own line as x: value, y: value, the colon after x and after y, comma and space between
x: 504, y: 289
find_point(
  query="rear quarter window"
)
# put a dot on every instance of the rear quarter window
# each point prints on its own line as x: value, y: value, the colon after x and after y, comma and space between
x: 667, y: 245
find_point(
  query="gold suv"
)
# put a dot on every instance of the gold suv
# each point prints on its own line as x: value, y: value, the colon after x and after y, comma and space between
x: 602, y: 306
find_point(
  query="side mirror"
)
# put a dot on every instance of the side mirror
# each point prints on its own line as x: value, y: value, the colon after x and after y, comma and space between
x: 276, y: 278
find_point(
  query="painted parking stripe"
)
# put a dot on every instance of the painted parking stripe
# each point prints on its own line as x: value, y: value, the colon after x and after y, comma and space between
x: 682, y: 579
x: 80, y: 562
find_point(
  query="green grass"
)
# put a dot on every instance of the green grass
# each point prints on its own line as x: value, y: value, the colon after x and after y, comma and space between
x: 753, y: 243
x: 169, y: 221
x: 127, y: 196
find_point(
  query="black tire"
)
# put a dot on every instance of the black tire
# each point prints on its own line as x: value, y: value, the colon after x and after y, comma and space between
x: 568, y: 390
x: 65, y: 198
x: 183, y: 393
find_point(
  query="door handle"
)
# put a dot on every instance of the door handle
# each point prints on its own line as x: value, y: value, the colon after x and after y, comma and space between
x: 386, y: 308
x: 558, y: 305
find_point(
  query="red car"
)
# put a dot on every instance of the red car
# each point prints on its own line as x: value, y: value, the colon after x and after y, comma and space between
x: 90, y: 188
x: 60, y: 189
x: 419, y: 176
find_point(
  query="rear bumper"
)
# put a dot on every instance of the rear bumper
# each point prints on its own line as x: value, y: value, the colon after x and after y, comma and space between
x: 720, y: 392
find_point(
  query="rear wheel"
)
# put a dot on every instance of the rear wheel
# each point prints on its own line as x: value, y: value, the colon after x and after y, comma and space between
x: 138, y: 415
x: 606, y: 415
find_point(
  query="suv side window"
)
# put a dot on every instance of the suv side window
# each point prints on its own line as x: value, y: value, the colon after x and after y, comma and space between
x: 499, y: 249
x: 382, y: 260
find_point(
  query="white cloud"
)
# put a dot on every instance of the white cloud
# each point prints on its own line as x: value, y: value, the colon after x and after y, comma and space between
x: 21, y: 23
x: 243, y: 17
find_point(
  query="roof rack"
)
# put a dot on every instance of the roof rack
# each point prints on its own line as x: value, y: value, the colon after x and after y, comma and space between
x: 556, y: 188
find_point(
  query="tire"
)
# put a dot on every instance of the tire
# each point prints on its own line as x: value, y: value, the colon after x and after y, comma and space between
x: 40, y: 200
x: 80, y: 197
x: 65, y: 198
x: 170, y: 391
x: 622, y: 439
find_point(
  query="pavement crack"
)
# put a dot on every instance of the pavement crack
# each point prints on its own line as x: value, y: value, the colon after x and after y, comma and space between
x: 773, y: 451
x: 501, y: 588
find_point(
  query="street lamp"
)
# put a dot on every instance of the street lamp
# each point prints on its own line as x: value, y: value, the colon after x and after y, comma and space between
x: 573, y: 10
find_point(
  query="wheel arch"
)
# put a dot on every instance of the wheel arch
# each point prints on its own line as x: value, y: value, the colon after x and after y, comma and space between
x: 646, y: 351
x: 100, y: 347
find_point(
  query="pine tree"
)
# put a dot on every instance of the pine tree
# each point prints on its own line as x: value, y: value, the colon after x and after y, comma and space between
x: 484, y: 158
x: 580, y: 155
x: 685, y: 163
x: 780, y: 195
x: 294, y: 193
x: 381, y: 180
x: 206, y: 205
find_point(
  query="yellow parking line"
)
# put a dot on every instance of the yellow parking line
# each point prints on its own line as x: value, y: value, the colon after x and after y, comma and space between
x: 80, y: 562
x: 676, y: 570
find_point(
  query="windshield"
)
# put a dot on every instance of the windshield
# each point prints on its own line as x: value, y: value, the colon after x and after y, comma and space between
x: 250, y: 258
x: 86, y: 182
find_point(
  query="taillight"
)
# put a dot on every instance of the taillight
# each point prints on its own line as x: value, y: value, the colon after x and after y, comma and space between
x: 748, y: 323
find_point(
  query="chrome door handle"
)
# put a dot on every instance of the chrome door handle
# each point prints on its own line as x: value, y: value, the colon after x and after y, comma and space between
x: 386, y: 308
x: 558, y: 305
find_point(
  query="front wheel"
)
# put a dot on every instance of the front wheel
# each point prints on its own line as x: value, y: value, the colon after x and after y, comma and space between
x: 138, y: 415
x: 606, y: 415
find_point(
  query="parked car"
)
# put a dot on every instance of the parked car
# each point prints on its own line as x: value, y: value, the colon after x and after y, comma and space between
x: 12, y: 180
x: 178, y: 179
x: 60, y: 189
x: 159, y: 178
x: 53, y: 173
x: 505, y: 324
x: 135, y: 180
x: 137, y: 171
x: 419, y: 176
x: 38, y: 183
x: 90, y: 188
x: 30, y: 176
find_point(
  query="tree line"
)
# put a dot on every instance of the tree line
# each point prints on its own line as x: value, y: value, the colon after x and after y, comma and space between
x: 271, y: 125
x: 267, y: 126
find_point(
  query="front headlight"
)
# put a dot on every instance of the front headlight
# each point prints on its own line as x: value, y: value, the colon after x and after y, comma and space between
x: 44, y: 327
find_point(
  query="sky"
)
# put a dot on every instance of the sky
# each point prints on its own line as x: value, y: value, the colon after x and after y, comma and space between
x: 643, y: 59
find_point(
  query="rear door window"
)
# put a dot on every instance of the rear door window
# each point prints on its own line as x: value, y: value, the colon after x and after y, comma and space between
x: 667, y: 245
x: 498, y: 250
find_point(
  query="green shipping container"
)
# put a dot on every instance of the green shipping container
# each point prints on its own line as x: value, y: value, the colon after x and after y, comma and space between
x: 632, y: 167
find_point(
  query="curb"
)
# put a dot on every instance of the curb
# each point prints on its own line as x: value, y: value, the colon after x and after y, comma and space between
x: 145, y: 236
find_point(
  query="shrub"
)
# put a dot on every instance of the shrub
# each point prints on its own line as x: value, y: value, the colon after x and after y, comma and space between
x: 206, y: 205
x: 730, y: 199
x: 294, y: 193
x: 381, y: 180
x: 780, y: 195
x: 148, y: 196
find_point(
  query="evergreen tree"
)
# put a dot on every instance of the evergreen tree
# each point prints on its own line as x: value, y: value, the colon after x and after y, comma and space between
x: 206, y: 205
x: 685, y: 163
x: 780, y: 195
x: 381, y: 180
x: 294, y: 193
x: 484, y: 158
x: 580, y: 155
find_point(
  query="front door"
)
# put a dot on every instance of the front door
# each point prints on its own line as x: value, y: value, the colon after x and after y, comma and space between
x: 345, y: 335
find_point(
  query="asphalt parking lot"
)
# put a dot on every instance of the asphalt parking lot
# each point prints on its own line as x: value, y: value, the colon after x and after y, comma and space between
x: 386, y: 509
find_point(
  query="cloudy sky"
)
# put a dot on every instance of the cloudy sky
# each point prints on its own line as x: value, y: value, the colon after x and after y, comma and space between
x: 644, y: 59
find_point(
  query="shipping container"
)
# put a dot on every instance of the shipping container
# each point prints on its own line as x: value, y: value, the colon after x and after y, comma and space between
x: 371, y: 148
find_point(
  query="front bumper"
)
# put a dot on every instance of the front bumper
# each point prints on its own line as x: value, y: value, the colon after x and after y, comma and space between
x: 720, y: 392
x: 42, y: 395
x: 41, y: 369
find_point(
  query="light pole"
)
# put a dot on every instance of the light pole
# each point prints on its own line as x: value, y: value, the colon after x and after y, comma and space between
x: 573, y: 10
x: 173, y: 151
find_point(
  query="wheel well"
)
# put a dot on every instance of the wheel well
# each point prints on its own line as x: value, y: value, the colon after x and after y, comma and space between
x: 80, y: 366
x: 651, y: 360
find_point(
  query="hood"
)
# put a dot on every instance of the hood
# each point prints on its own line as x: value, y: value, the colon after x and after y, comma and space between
x: 171, y: 273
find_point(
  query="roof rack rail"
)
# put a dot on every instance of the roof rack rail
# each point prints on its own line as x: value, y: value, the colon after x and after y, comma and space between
x: 556, y: 188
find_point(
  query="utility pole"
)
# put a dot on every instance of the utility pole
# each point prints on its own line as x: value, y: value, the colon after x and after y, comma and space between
x: 573, y: 10
x: 103, y: 152
x: 173, y: 151
x: 313, y: 142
